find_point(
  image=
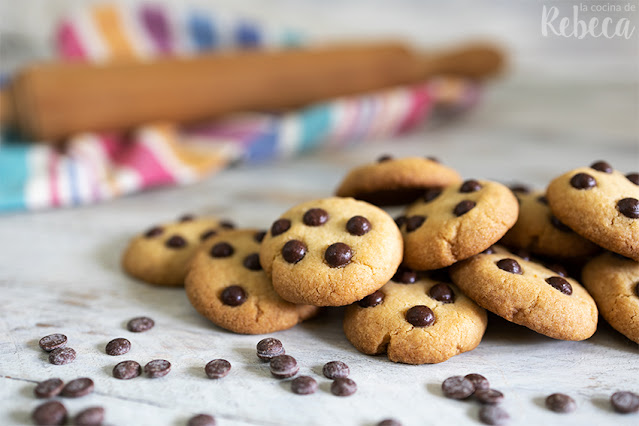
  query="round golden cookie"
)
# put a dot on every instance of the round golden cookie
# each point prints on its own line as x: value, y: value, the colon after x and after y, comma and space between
x: 540, y: 232
x: 527, y: 294
x: 161, y: 255
x: 449, y: 225
x: 600, y: 204
x: 614, y: 284
x: 331, y: 252
x: 227, y: 285
x: 421, y: 322
x: 395, y: 181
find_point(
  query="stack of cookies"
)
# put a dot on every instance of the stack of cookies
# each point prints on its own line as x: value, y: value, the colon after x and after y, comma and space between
x: 417, y: 287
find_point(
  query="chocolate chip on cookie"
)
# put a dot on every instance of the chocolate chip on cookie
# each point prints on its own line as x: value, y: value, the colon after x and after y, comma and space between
x: 372, y: 300
x: 338, y: 255
x: 315, y: 217
x: 233, y: 295
x: 222, y: 249
x: 601, y: 166
x: 358, y: 225
x: 293, y: 251
x: 280, y: 226
x: 420, y: 316
x: 442, y: 293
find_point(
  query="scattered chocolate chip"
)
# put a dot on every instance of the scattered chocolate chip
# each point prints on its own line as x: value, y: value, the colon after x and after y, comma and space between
x: 633, y: 177
x: 478, y: 381
x: 252, y: 262
x: 217, y: 368
x: 583, y: 181
x: 280, y: 226
x: 470, y: 185
x: 561, y: 403
x: 227, y: 224
x: 489, y: 250
x: 259, y: 236
x: 601, y: 166
x: 542, y: 199
x: 207, y: 234
x: 520, y: 189
x: 400, y: 220
x: 405, y: 275
x: 558, y: 269
x: 625, y: 402
x: 233, y: 295
x: 335, y: 369
x: 457, y: 387
x: 48, y: 388
x: 509, y: 265
x: 304, y: 385
x: 175, y: 242
x: 493, y: 415
x: 464, y: 207
x: 118, y: 346
x: 154, y: 232
x: 343, y: 387
x: 186, y: 218
x: 629, y: 207
x: 431, y: 193
x: 420, y: 316
x: 358, y: 226
x: 201, y: 420
x: 53, y: 341
x: 157, y: 368
x: 283, y: 366
x: 78, y: 388
x: 442, y: 293
x: 126, y: 370
x: 560, y: 284
x: 269, y: 348
x: 315, y: 217
x: 293, y: 251
x: 384, y: 158
x: 559, y: 224
x: 389, y: 422
x: 222, y: 249
x: 414, y: 222
x: 489, y: 396
x: 62, y: 356
x: 49, y: 414
x: 372, y: 300
x: 338, y: 255
x: 92, y: 416
x: 140, y: 324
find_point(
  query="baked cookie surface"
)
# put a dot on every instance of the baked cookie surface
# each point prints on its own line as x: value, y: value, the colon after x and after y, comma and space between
x: 331, y: 252
x: 527, y: 294
x: 227, y: 285
x: 420, y: 322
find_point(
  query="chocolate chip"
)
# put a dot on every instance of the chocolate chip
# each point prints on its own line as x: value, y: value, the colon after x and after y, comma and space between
x: 201, y: 420
x: 633, y: 177
x: 629, y: 207
x: 233, y: 295
x: 520, y: 189
x: 78, y: 388
x: 601, y: 166
x: 343, y: 387
x: 470, y: 185
x: 442, y: 293
x: 404, y: 275
x: 389, y: 422
x: 358, y: 226
x: 217, y: 368
x: 140, y: 324
x: 558, y: 269
x: 522, y: 253
x: 400, y: 220
x: 493, y: 415
x: 283, y: 366
x: 222, y: 249
x: 560, y: 284
x: 433, y: 159
x: 384, y: 158
x: 293, y: 251
x: 560, y: 403
x: 489, y: 250
x: 175, y: 242
x: 420, y: 316
x: 53, y: 341
x: 49, y: 414
x: 463, y: 207
x: 414, y: 222
x: 315, y: 217
x: 118, y: 346
x: 625, y: 402
x: 372, y: 300
x: 48, y: 388
x: 338, y: 255
x: 478, y: 381
x: 252, y: 262
x: 126, y: 370
x: 335, y: 369
x: 186, y: 218
x: 583, y: 181
x: 154, y: 232
x: 207, y: 234
x: 259, y: 236
x: 489, y: 396
x: 92, y: 416
x: 431, y: 193
x: 62, y: 356
x: 304, y: 385
x: 457, y: 387
x: 559, y: 224
x: 509, y: 265
x: 269, y: 348
x: 280, y: 226
x: 157, y: 368
x: 542, y: 199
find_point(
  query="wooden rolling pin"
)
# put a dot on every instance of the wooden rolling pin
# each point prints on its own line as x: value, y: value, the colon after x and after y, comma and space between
x: 47, y: 102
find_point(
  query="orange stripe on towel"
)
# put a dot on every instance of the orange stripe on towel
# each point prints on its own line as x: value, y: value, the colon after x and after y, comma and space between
x: 108, y: 23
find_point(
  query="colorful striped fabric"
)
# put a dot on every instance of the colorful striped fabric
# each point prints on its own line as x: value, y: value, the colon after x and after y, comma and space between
x: 100, y: 166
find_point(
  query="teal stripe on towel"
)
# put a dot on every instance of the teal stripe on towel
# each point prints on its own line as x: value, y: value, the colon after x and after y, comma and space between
x: 13, y: 176
x: 315, y: 125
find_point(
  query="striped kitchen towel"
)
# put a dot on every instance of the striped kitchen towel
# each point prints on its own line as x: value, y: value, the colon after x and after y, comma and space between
x: 100, y: 166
